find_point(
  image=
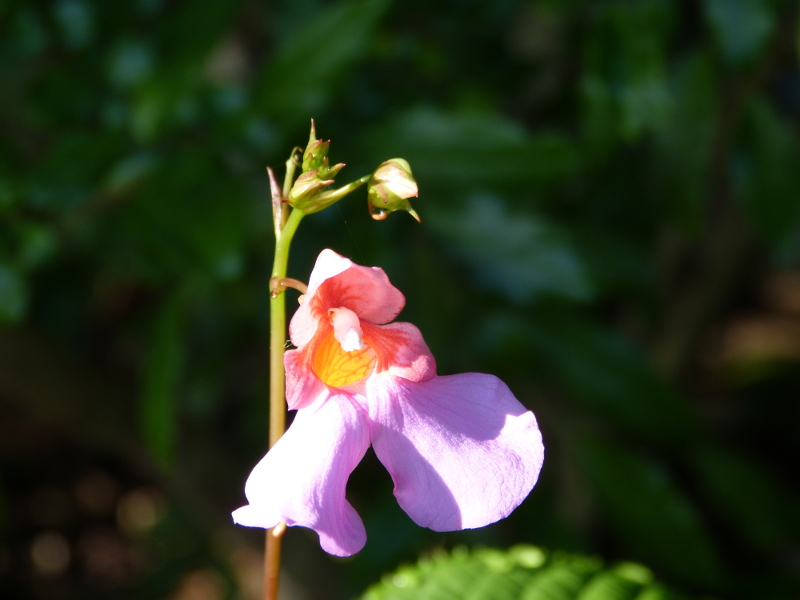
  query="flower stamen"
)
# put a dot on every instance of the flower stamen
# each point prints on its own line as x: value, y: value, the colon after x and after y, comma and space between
x: 346, y: 329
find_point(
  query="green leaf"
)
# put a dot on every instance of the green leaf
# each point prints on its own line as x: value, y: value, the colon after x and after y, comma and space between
x: 614, y: 263
x: 762, y: 515
x: 519, y: 255
x: 65, y: 178
x: 76, y: 21
x: 768, y: 175
x: 129, y: 171
x: 625, y: 91
x: 741, y: 27
x: 187, y: 217
x: 2, y: 512
x: 649, y: 513
x: 308, y: 66
x: 683, y: 144
x: 602, y: 371
x: 472, y: 149
x: 13, y: 295
x: 521, y: 573
x: 163, y: 369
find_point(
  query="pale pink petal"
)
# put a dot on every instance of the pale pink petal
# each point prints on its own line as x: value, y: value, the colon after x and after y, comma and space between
x: 366, y: 291
x: 304, y: 323
x: 302, y: 479
x: 462, y: 451
x: 329, y: 264
x: 303, y: 387
x: 336, y: 282
x: 401, y: 350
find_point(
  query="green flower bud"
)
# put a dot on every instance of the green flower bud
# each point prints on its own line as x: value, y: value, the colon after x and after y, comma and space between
x: 325, y: 171
x: 306, y: 189
x: 390, y: 187
x: 315, y: 154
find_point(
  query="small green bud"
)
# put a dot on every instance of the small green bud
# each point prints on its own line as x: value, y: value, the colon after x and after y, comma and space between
x: 325, y: 171
x: 309, y: 192
x: 315, y: 155
x: 306, y: 189
x: 390, y: 187
x: 315, y: 152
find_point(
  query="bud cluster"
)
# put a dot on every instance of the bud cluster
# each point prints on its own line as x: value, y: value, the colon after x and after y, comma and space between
x: 308, y: 192
x: 390, y: 186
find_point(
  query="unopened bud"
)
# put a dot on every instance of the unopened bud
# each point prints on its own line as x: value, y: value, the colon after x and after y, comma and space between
x: 315, y: 154
x: 308, y: 192
x: 306, y: 189
x: 315, y: 151
x: 390, y: 187
x: 328, y: 172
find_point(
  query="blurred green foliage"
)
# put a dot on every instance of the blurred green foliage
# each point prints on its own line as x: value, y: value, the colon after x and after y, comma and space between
x: 610, y: 203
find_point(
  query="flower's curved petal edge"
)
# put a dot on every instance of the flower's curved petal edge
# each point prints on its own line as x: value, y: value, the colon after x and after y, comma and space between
x: 302, y: 479
x: 401, y: 350
x: 303, y: 324
x: 303, y: 387
x: 336, y: 282
x: 462, y: 451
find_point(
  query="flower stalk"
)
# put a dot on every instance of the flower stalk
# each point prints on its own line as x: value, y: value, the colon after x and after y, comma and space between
x: 291, y: 201
x: 277, y: 381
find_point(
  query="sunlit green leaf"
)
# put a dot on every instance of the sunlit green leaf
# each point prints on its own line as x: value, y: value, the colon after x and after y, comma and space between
x: 521, y: 573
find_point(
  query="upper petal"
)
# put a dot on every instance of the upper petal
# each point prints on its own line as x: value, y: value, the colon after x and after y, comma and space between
x: 302, y: 479
x: 336, y: 282
x: 462, y: 451
x: 401, y: 350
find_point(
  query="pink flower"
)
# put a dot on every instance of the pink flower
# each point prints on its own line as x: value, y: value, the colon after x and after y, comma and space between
x: 461, y: 450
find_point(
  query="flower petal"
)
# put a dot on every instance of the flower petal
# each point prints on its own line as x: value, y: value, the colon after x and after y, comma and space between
x: 401, y: 350
x: 336, y: 282
x: 304, y: 323
x: 302, y: 479
x: 462, y: 451
x: 303, y: 387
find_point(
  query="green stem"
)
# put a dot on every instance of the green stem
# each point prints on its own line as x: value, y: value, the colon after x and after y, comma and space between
x: 277, y: 384
x: 277, y: 335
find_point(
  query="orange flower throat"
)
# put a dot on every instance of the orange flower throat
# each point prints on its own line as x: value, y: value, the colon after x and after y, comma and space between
x: 337, y: 368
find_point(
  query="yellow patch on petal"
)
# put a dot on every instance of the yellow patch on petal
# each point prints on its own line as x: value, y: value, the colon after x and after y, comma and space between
x: 336, y: 367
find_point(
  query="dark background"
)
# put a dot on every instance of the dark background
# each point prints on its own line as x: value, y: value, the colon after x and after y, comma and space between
x: 610, y: 203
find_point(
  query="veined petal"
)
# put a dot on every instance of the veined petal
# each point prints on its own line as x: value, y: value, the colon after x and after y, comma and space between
x: 401, y: 350
x: 462, y: 451
x: 336, y: 282
x: 303, y: 386
x: 302, y: 479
